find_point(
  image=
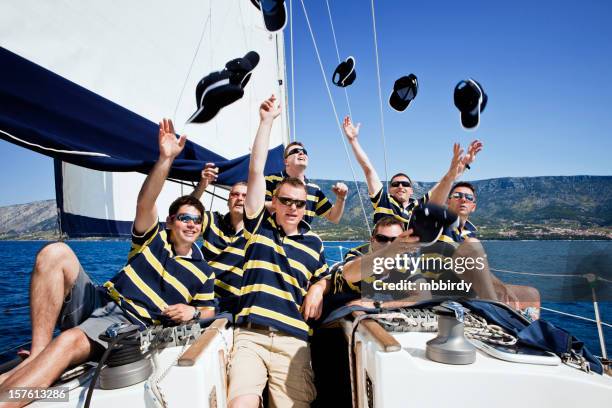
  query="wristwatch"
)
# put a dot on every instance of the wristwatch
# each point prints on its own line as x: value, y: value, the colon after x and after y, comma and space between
x: 196, y: 314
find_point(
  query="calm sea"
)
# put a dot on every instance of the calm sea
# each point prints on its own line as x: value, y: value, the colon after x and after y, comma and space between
x: 554, y: 259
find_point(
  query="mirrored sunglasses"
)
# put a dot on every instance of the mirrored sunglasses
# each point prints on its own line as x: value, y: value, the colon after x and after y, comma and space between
x: 467, y: 196
x: 185, y: 218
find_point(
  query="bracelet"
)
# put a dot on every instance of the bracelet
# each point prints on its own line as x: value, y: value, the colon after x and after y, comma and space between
x: 467, y: 166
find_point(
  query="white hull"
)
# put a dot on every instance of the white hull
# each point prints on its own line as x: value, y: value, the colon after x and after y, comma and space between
x: 403, y: 376
x: 202, y: 385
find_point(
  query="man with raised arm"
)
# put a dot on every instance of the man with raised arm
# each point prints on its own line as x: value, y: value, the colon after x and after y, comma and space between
x: 398, y: 201
x: 223, y: 240
x: 166, y: 279
x: 317, y: 204
x: 461, y: 242
x: 285, y: 277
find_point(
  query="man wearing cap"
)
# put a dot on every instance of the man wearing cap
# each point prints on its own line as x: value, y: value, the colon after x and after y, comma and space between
x: 282, y: 287
x: 461, y: 242
x: 223, y: 239
x: 296, y: 162
x: 398, y: 201
x: 165, y: 279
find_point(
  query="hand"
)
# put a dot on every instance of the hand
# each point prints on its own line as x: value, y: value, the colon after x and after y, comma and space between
x: 179, y: 312
x: 405, y: 242
x: 351, y: 131
x: 474, y: 148
x: 312, y: 306
x: 505, y: 295
x: 267, y: 111
x: 340, y: 190
x: 169, y: 145
x: 369, y: 304
x: 456, y: 167
x: 209, y: 174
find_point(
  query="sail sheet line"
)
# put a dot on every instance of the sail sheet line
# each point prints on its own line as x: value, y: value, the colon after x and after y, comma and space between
x: 382, y: 117
x: 331, y: 99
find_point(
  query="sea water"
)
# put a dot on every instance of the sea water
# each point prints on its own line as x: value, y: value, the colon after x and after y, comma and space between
x: 554, y: 261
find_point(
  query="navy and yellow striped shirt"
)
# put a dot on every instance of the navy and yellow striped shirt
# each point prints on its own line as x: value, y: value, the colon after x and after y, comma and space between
x: 228, y: 271
x: 317, y: 203
x: 217, y: 233
x: 278, y: 270
x: 384, y: 205
x: 155, y: 278
x: 365, y: 286
x: 443, y: 248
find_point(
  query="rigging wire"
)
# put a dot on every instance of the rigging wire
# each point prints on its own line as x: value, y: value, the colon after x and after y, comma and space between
x: 331, y: 99
x: 382, y: 120
x: 193, y: 60
x: 293, y: 135
x: 331, y: 22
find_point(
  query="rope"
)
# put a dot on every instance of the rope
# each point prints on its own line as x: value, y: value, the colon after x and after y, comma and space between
x: 574, y: 316
x: 382, y: 121
x: 331, y: 100
x: 293, y: 136
x: 331, y: 22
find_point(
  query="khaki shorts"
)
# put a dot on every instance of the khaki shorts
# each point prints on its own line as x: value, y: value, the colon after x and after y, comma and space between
x: 281, y: 360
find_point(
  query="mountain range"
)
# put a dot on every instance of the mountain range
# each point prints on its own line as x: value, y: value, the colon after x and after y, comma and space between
x: 555, y: 207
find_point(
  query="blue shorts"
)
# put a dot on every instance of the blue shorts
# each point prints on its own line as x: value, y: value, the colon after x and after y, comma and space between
x: 88, y: 308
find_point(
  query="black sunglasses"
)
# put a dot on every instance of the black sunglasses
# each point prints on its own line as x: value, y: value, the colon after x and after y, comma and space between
x: 296, y: 150
x: 290, y: 201
x: 383, y: 239
x: 401, y: 183
x: 458, y: 195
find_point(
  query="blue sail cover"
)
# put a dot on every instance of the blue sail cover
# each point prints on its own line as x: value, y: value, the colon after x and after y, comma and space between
x: 46, y: 113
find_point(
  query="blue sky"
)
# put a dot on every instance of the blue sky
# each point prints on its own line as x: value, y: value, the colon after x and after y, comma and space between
x: 545, y: 66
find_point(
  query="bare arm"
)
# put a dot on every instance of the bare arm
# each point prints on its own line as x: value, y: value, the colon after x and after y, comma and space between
x: 169, y: 148
x: 207, y: 176
x: 256, y: 184
x: 363, y: 266
x: 352, y: 132
x: 335, y: 214
x: 312, y: 306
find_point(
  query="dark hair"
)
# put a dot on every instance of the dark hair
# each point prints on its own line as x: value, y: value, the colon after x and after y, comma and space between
x: 185, y: 200
x: 240, y: 183
x: 463, y: 184
x: 385, y: 222
x: 402, y: 174
x: 292, y: 181
x: 292, y: 144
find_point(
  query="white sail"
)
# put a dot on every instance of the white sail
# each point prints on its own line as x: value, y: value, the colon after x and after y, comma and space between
x: 147, y: 56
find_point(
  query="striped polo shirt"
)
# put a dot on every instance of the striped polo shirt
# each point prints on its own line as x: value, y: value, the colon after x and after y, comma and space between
x: 155, y: 278
x: 228, y: 272
x: 217, y: 233
x: 384, y: 204
x: 278, y: 270
x: 317, y: 203
x: 445, y: 247
x: 365, y: 286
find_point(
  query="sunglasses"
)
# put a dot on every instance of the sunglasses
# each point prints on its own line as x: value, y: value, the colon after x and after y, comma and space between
x: 459, y: 196
x: 401, y: 183
x: 185, y: 218
x: 290, y: 201
x: 383, y: 239
x: 296, y: 150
